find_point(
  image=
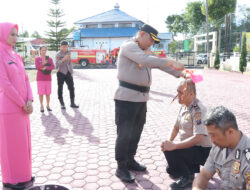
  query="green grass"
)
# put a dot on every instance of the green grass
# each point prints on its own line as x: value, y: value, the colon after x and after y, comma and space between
x: 32, y: 74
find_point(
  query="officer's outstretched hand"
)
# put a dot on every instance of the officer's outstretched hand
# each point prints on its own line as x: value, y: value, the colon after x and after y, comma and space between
x: 175, y: 65
x: 168, y: 146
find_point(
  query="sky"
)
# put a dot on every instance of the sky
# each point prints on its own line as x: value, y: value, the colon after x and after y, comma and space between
x: 31, y: 15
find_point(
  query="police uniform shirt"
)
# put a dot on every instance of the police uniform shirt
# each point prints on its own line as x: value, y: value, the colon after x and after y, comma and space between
x: 65, y: 66
x: 233, y: 167
x: 134, y: 66
x: 190, y: 122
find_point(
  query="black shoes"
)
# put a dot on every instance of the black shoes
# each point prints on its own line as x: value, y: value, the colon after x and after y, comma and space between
x: 73, y: 105
x: 182, y: 183
x: 48, y: 109
x: 19, y: 185
x: 63, y: 107
x: 135, y: 166
x: 124, y: 175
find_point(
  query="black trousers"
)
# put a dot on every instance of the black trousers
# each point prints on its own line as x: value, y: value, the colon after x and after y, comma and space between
x: 130, y: 118
x: 61, y: 78
x: 183, y: 162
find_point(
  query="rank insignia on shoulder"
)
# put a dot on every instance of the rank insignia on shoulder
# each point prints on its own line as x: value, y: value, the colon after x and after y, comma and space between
x: 247, y: 152
x: 236, y: 167
x: 197, y: 117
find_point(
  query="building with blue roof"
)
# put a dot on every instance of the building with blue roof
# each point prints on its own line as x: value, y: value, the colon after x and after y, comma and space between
x: 108, y: 30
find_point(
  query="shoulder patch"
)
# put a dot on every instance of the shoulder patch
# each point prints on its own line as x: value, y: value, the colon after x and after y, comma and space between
x: 248, y: 179
x: 247, y: 153
x: 197, y: 118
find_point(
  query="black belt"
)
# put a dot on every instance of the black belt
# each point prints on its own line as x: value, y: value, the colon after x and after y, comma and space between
x: 143, y: 89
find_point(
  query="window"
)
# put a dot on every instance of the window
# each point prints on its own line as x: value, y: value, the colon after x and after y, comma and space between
x: 91, y: 26
x: 158, y: 46
x: 124, y: 25
x: 108, y: 25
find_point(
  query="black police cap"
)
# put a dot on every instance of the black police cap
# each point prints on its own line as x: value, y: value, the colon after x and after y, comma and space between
x: 151, y: 31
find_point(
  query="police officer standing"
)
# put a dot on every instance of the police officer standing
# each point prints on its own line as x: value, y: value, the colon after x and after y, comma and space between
x: 64, y: 74
x: 230, y: 155
x: 185, y: 157
x: 134, y: 74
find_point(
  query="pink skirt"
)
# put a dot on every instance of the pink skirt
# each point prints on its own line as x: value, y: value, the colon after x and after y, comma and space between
x: 15, y: 147
x: 44, y: 87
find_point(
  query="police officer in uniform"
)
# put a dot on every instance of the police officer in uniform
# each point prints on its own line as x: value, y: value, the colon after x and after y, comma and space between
x: 134, y: 74
x: 230, y: 154
x: 185, y: 157
x: 65, y: 74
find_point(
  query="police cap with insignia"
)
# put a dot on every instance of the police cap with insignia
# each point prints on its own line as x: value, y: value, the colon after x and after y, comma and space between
x: 151, y: 31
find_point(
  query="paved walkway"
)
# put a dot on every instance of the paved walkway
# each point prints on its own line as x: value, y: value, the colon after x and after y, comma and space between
x: 75, y: 147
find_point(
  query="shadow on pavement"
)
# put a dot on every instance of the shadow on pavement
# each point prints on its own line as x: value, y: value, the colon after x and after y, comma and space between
x: 142, y: 181
x: 81, y: 125
x: 53, y: 128
x: 79, y: 76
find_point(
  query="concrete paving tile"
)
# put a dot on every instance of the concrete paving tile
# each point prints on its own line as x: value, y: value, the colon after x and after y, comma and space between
x: 67, y: 172
x: 91, y: 186
x: 75, y: 147
x: 65, y: 180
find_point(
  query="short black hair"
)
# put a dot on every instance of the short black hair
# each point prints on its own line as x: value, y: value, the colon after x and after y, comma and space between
x: 42, y: 48
x: 222, y: 118
x: 64, y: 43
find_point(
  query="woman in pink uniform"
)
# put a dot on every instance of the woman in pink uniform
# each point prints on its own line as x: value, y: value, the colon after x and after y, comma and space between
x: 15, y: 107
x: 44, y: 66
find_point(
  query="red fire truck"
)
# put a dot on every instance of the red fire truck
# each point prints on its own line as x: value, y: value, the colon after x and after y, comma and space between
x: 85, y: 57
x: 160, y: 53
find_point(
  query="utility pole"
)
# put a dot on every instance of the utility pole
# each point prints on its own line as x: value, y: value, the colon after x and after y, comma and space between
x: 208, y: 58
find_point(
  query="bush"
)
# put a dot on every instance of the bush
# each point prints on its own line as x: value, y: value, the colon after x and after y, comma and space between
x: 243, y: 56
x: 217, y: 60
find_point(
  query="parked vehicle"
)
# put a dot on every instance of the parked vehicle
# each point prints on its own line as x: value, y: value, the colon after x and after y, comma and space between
x: 85, y: 57
x: 202, y: 59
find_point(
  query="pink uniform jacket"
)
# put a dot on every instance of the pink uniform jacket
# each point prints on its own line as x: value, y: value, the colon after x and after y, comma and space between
x: 15, y: 88
x: 15, y: 91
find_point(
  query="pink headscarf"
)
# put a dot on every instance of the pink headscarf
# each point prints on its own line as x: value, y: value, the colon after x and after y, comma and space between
x: 5, y: 29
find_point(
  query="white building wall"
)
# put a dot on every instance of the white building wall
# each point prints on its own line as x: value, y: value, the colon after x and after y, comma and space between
x: 103, y: 43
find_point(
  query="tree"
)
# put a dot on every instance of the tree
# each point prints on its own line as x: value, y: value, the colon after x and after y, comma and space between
x: 177, y: 24
x: 25, y: 34
x: 36, y: 35
x: 243, y: 56
x: 56, y: 33
x: 194, y: 16
x: 236, y: 48
x: 217, y: 60
x: 172, y: 47
x: 218, y: 9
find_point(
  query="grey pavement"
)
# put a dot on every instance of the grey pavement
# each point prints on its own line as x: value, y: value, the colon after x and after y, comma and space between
x: 75, y: 147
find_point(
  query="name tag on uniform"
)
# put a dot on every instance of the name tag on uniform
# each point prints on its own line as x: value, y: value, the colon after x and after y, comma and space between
x: 11, y: 62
